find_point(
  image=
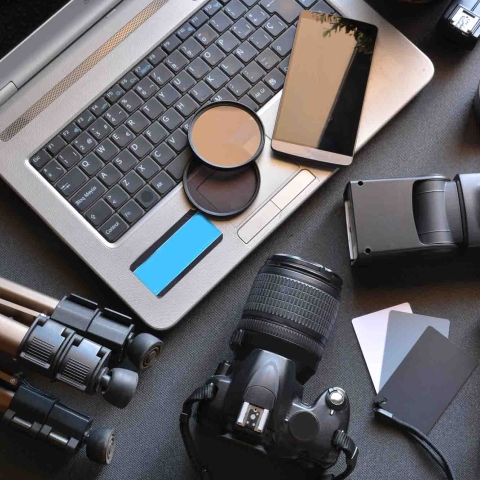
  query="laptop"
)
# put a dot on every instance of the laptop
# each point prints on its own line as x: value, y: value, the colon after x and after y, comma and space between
x: 93, y: 135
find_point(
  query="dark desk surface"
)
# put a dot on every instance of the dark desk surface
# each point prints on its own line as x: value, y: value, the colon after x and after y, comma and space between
x: 435, y: 133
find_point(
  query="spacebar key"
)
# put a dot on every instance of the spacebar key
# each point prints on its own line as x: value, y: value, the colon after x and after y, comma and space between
x: 88, y: 195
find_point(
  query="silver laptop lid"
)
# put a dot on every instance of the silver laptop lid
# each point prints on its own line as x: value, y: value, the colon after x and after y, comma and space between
x: 42, y: 38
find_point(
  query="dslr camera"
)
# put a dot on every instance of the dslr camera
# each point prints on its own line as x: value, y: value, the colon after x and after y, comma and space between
x: 257, y: 398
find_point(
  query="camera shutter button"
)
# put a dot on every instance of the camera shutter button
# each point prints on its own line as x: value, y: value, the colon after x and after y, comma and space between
x: 304, y: 426
x: 336, y: 399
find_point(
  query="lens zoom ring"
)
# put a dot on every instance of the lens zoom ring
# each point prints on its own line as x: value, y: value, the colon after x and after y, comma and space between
x: 285, y: 333
x: 303, y: 304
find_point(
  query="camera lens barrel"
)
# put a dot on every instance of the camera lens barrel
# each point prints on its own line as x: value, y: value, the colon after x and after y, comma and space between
x: 291, y: 310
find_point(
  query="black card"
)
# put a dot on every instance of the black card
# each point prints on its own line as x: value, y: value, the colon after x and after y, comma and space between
x: 427, y: 380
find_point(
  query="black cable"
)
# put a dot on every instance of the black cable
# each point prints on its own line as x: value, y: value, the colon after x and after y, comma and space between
x: 420, y: 437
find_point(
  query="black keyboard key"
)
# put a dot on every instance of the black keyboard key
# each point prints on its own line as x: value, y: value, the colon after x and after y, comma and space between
x: 168, y: 95
x: 223, y: 96
x: 183, y: 82
x: 138, y: 122
x: 171, y: 119
x: 109, y: 175
x: 261, y: 93
x: 235, y: 9
x: 220, y: 22
x: 239, y: 86
x: 98, y: 213
x: 176, y: 61
x: 131, y: 212
x: 141, y: 147
x: 84, y: 143
x: 112, y: 229
x: 156, y: 56
x: 228, y: 42
x: 249, y: 3
x: 267, y: 59
x: 147, y: 197
x: 216, y: 79
x: 248, y: 102
x: 128, y: 81
x: 68, y: 157
x: 163, y: 154
x: 155, y: 133
x: 40, y: 159
x: 161, y: 74
x: 130, y: 102
x: 171, y: 43
x: 253, y: 72
x: 52, y: 171
x: 288, y: 10
x: 106, y: 150
x: 242, y: 29
x: 85, y: 119
x: 56, y: 144
x: 177, y: 140
x: 116, y: 197
x: 321, y: 7
x: 275, y: 80
x: 213, y: 55
x: 146, y: 88
x: 114, y: 93
x: 186, y: 106
x: 132, y: 183
x: 115, y: 115
x: 122, y: 136
x: 260, y: 39
x: 147, y: 168
x: 91, y: 164
x: 245, y: 52
x: 185, y: 31
x: 71, y: 132
x: 206, y: 35
x: 191, y: 48
x: 257, y: 16
x: 283, y: 44
x: 71, y: 182
x: 231, y: 65
x: 275, y: 26
x: 100, y: 129
x: 201, y: 92
x: 306, y: 3
x: 177, y: 166
x: 212, y: 7
x: 186, y: 125
x: 99, y: 107
x: 163, y: 183
x: 153, y: 109
x: 88, y: 195
x: 143, y: 68
x: 124, y: 161
x: 198, y: 68
x: 198, y: 19
x: 284, y: 65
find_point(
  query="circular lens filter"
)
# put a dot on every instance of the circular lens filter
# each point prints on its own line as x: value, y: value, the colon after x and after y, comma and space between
x: 221, y: 193
x: 226, y: 135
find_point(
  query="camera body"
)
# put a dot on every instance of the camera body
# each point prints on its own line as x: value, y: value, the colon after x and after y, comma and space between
x: 257, y: 398
x: 259, y: 402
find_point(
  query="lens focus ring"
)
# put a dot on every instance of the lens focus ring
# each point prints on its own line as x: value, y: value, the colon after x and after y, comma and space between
x: 293, y: 303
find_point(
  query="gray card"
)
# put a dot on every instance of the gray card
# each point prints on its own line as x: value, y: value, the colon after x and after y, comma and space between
x: 403, y: 332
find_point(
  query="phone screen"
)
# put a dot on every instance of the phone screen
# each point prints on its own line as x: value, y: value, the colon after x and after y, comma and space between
x: 325, y: 87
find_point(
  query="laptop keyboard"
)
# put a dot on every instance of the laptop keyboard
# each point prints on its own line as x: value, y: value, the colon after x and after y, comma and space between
x: 128, y: 150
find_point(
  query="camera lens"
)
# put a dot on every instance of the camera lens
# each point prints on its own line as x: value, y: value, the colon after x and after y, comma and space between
x: 291, y: 311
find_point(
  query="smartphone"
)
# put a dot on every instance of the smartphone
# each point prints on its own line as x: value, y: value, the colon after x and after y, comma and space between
x: 321, y: 105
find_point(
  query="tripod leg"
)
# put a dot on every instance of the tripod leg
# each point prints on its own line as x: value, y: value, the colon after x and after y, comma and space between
x: 12, y: 334
x: 6, y: 397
